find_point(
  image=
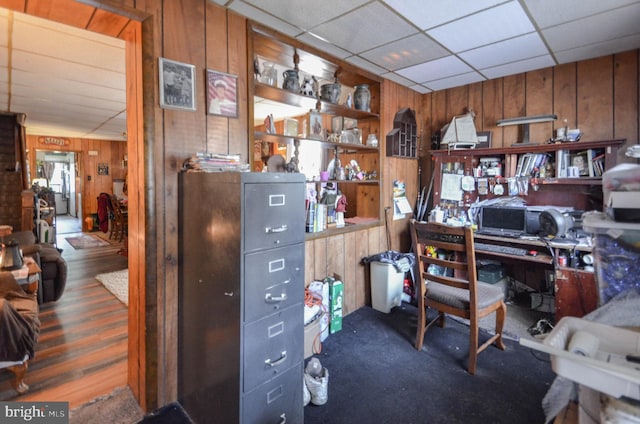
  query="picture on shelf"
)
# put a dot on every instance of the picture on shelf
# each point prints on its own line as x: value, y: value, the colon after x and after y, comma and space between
x: 315, y: 129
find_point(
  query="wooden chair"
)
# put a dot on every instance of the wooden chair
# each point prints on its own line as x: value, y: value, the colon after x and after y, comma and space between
x: 120, y: 219
x: 440, y: 248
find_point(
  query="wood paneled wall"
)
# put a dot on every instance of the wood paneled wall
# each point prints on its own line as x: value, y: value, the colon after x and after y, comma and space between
x: 600, y: 96
x: 110, y: 152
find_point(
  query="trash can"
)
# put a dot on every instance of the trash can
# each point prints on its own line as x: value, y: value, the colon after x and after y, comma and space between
x: 387, y: 271
x: 387, y: 286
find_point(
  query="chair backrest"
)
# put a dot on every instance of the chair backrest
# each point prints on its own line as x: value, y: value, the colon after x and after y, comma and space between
x: 115, y: 205
x: 439, y: 247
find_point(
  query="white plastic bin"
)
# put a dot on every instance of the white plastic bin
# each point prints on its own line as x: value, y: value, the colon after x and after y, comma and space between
x: 387, y: 285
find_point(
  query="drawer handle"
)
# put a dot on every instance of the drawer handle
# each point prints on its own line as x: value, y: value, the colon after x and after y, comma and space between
x: 283, y: 419
x: 280, y: 229
x: 275, y: 299
x: 278, y: 361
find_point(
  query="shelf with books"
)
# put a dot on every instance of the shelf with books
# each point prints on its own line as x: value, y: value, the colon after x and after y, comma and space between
x: 548, y: 173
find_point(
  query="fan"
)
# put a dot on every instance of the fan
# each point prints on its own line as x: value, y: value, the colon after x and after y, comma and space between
x: 555, y: 223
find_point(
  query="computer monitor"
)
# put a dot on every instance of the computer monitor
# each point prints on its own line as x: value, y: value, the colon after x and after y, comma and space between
x: 506, y: 221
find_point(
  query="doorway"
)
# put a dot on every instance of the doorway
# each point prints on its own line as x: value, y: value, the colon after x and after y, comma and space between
x: 57, y: 171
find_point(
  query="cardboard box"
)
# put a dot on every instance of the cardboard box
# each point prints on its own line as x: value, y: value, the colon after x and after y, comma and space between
x: 311, y: 337
x: 336, y: 295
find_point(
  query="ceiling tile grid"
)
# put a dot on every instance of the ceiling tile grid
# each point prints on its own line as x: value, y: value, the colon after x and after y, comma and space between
x: 424, y: 45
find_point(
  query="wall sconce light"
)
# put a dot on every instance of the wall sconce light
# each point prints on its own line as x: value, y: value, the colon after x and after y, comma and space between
x: 525, y: 121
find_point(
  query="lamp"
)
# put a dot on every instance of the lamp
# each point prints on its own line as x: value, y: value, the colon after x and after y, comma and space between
x: 525, y: 121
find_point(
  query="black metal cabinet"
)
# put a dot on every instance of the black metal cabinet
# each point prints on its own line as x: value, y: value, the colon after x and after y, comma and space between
x: 240, y: 318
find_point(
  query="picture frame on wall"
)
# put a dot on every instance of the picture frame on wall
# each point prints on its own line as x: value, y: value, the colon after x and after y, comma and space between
x: 222, y: 94
x: 484, y: 139
x: 177, y: 85
x: 103, y: 169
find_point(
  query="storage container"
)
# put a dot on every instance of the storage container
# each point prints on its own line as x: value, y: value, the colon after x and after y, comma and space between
x: 616, y: 253
x: 602, y: 366
x: 387, y: 285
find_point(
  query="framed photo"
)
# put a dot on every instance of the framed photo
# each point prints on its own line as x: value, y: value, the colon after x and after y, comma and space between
x: 315, y: 129
x: 222, y: 94
x: 103, y: 169
x: 336, y: 124
x: 484, y: 139
x: 177, y: 85
x: 290, y: 127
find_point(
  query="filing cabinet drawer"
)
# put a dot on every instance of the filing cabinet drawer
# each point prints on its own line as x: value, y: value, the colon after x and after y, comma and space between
x: 273, y: 280
x: 274, y: 215
x: 272, y: 345
x: 276, y: 401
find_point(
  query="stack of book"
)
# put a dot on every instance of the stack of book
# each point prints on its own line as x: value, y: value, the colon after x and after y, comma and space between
x: 212, y: 162
x: 529, y: 163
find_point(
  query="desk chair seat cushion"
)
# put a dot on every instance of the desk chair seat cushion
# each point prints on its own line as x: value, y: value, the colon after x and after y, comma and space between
x: 487, y: 295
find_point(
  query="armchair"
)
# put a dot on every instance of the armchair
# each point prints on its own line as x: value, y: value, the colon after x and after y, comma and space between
x: 19, y: 328
x: 459, y: 294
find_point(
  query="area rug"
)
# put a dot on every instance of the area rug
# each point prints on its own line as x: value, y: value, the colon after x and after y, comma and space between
x: 117, y: 283
x: 120, y: 406
x: 86, y: 241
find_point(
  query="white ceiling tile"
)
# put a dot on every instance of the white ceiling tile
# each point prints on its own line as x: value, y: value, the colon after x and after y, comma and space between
x: 518, y: 67
x: 420, y: 89
x: 599, y: 49
x: 49, y: 67
x: 365, y: 64
x: 495, y: 24
x: 511, y: 50
x: 436, y: 69
x: 329, y: 48
x: 552, y: 12
x: 405, y: 52
x: 454, y: 81
x: 392, y: 76
x: 594, y: 29
x: 364, y: 29
x: 4, y: 29
x: 430, y: 13
x: 45, y: 42
x: 306, y: 14
x: 264, y: 18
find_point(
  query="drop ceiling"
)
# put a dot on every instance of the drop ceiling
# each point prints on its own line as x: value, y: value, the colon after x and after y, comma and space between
x: 68, y: 81
x: 426, y: 45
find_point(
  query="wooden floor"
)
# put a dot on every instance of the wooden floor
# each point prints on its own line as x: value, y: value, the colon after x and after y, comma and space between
x: 82, y: 349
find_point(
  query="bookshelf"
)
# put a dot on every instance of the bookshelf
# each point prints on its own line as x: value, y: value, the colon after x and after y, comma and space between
x: 558, y: 184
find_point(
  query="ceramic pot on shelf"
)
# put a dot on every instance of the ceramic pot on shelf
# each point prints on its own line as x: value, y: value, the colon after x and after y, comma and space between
x: 330, y: 92
x: 362, y: 97
x: 291, y: 81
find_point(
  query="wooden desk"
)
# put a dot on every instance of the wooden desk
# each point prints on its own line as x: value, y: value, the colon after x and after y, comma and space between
x: 575, y: 290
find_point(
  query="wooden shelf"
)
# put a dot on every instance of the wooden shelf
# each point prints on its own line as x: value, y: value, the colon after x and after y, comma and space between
x: 305, y: 102
x: 530, y: 148
x: 286, y: 139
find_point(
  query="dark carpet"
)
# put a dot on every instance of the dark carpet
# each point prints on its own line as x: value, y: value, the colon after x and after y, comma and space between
x: 377, y: 376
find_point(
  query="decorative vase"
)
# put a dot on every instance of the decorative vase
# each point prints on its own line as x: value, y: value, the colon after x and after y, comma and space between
x: 291, y: 82
x: 362, y: 97
x: 330, y: 92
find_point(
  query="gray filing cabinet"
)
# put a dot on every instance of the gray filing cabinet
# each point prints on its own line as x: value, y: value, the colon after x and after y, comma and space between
x: 241, y: 292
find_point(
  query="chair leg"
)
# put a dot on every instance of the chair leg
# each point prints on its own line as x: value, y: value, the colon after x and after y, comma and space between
x: 501, y: 314
x: 18, y: 384
x: 473, y: 346
x: 422, y: 325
